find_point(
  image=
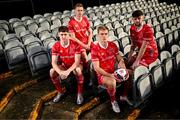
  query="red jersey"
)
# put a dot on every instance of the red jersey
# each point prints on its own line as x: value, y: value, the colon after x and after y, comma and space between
x: 66, y: 54
x: 145, y: 33
x: 79, y: 28
x: 105, y: 56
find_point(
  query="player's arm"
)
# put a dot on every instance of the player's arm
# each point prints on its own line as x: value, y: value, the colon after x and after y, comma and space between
x: 79, y: 42
x: 99, y: 70
x: 131, y: 49
x: 140, y: 54
x: 120, y: 61
x: 55, y: 65
x: 89, y: 36
x: 75, y: 64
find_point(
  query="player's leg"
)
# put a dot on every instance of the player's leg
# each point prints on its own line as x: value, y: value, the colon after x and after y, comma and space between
x: 80, y: 81
x: 55, y: 78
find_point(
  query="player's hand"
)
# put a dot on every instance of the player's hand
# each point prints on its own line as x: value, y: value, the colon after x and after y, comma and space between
x: 64, y: 74
x: 135, y: 64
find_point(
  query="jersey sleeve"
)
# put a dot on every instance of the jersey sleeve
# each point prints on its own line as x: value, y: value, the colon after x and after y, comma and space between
x: 87, y: 22
x: 131, y: 37
x: 78, y: 49
x: 116, y: 50
x: 94, y: 55
x: 70, y: 26
x: 55, y: 50
x: 148, y: 34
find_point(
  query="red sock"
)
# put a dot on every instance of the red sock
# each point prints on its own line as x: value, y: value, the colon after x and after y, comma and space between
x: 111, y: 93
x: 80, y: 80
x: 127, y: 87
x: 57, y: 83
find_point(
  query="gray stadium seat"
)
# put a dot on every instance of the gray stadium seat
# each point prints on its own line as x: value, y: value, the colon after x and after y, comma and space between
x: 167, y: 60
x: 156, y: 69
x: 39, y: 60
x: 14, y: 54
x: 142, y: 85
x: 175, y: 51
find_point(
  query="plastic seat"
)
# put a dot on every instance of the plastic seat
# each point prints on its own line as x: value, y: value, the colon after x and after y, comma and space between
x: 39, y: 60
x: 2, y: 33
x: 14, y: 54
x: 31, y: 42
x: 167, y: 60
x: 42, y: 30
x: 142, y: 87
x: 44, y: 23
x: 26, y: 34
x: 175, y: 51
x: 32, y: 26
x: 161, y: 42
x: 156, y: 69
x: 5, y: 25
x: 169, y: 37
x: 49, y: 42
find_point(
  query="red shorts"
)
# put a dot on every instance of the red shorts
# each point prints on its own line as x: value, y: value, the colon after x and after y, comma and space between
x: 100, y: 79
x: 143, y: 61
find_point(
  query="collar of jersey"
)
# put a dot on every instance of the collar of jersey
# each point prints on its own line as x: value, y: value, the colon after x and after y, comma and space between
x: 139, y: 28
x: 102, y: 45
x: 77, y: 19
x: 66, y: 45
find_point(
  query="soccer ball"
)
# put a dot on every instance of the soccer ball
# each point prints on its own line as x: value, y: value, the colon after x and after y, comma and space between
x: 120, y: 74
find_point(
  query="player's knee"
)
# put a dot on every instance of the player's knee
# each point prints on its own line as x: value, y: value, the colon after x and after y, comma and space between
x: 51, y: 72
x: 78, y: 71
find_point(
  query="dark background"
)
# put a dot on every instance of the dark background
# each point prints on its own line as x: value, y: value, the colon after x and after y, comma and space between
x: 19, y: 8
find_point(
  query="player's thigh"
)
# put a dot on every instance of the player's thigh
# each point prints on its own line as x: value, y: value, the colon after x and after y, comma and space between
x: 108, y: 82
x: 53, y: 73
x: 78, y: 70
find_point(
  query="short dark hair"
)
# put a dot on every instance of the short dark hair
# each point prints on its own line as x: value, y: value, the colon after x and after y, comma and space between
x: 102, y: 27
x: 137, y: 13
x: 63, y: 29
x: 78, y: 5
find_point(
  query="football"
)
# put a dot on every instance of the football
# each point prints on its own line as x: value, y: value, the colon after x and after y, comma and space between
x: 120, y: 74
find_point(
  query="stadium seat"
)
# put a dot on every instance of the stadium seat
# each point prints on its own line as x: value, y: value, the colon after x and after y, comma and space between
x: 9, y: 38
x: 48, y: 16
x: 175, y: 34
x: 1, y: 52
x: 14, y: 54
x: 37, y: 17
x: 169, y: 37
x: 44, y: 23
x: 54, y: 30
x: 31, y: 42
x: 18, y: 28
x: 167, y: 60
x: 2, y: 33
x: 126, y: 50
x: 12, y: 21
x: 26, y: 34
x: 109, y: 25
x: 114, y: 39
x: 56, y: 21
x: 42, y: 30
x: 142, y: 85
x: 124, y: 41
x: 39, y: 60
x: 156, y: 69
x: 175, y: 51
x: 161, y: 42
x: 48, y: 43
x: 32, y: 26
x: 65, y: 20
x: 5, y: 25
x: 24, y: 19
